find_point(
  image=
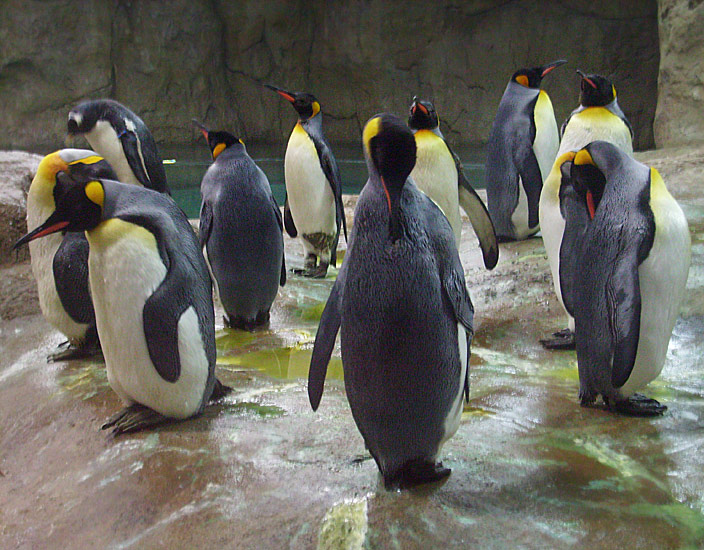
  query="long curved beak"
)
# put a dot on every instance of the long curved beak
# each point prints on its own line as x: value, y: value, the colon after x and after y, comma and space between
x: 587, y: 80
x: 288, y: 96
x: 51, y: 225
x: 201, y: 127
x: 550, y: 66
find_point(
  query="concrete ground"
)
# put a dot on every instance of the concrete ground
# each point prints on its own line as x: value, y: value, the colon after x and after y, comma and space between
x: 530, y: 467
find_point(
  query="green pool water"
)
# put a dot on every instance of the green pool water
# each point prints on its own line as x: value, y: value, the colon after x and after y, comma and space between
x: 185, y: 167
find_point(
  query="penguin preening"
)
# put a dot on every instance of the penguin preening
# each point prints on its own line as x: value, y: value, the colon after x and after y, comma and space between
x: 624, y: 262
x: 598, y: 118
x: 313, y: 205
x: 520, y: 151
x: 438, y: 173
x: 60, y: 262
x: 241, y: 232
x: 404, y: 314
x: 122, y: 138
x: 152, y: 296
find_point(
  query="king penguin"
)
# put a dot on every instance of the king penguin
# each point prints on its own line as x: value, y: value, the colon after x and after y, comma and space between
x: 521, y: 149
x: 404, y: 314
x: 60, y: 262
x: 313, y: 205
x: 241, y: 232
x: 123, y: 139
x: 624, y: 257
x: 152, y: 296
x: 438, y: 173
x: 598, y: 118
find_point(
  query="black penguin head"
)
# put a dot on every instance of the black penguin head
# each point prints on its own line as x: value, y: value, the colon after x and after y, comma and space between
x: 79, y: 207
x: 305, y: 104
x: 74, y: 162
x: 422, y: 115
x: 218, y: 141
x: 532, y: 77
x: 391, y: 148
x: 588, y: 180
x: 595, y: 90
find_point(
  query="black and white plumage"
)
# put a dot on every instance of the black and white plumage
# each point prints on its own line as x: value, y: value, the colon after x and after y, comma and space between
x: 404, y: 314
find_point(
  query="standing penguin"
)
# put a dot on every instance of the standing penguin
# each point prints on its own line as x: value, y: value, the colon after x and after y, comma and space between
x: 241, y: 231
x: 438, y: 173
x: 313, y: 187
x: 520, y: 152
x: 152, y: 296
x: 120, y: 136
x: 624, y: 261
x: 405, y: 316
x: 60, y: 262
x: 598, y: 117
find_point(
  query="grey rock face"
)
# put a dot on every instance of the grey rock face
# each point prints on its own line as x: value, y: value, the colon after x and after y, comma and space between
x: 17, y: 170
x: 679, y: 119
x: 172, y: 61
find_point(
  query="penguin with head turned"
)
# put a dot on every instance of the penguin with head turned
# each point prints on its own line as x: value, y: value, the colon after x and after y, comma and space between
x: 404, y: 314
x: 438, y: 173
x: 60, y: 261
x: 624, y: 262
x: 521, y: 149
x: 313, y: 205
x: 123, y: 139
x: 598, y: 118
x: 241, y: 232
x: 152, y: 296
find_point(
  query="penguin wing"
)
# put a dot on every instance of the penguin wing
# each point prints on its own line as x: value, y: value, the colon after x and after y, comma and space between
x: 279, y: 220
x: 133, y: 151
x: 455, y: 289
x: 332, y: 173
x: 70, y: 268
x: 288, y: 220
x: 206, y: 223
x: 531, y: 177
x: 479, y: 216
x: 325, y: 342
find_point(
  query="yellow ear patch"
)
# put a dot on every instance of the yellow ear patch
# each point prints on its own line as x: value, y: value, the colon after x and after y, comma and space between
x: 316, y: 108
x: 219, y: 148
x: 95, y: 193
x: 87, y: 160
x: 522, y: 80
x: 50, y: 165
x: 613, y: 88
x: 370, y: 130
x: 242, y: 142
x: 583, y: 157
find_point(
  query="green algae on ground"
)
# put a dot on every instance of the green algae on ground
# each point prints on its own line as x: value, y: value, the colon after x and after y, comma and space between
x: 288, y: 363
x: 344, y: 526
x: 85, y: 378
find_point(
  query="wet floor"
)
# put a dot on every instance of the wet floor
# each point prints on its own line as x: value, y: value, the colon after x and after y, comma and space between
x: 530, y: 468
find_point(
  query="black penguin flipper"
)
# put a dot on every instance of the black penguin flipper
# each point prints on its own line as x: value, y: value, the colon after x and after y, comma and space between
x: 624, y: 305
x: 456, y: 293
x: 478, y: 214
x: 324, y: 343
x: 206, y: 223
x: 332, y: 174
x: 288, y: 221
x: 131, y: 148
x: 532, y: 180
x: 70, y: 268
x: 279, y: 220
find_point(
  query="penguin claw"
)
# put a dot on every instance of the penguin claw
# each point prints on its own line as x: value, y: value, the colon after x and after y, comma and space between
x: 639, y: 405
x: 416, y: 472
x: 133, y: 419
x: 68, y: 352
x: 562, y: 340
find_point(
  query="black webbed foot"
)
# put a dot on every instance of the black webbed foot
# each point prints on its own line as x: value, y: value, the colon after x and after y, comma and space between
x: 134, y: 418
x: 416, y: 472
x: 68, y: 352
x: 638, y: 405
x: 562, y: 340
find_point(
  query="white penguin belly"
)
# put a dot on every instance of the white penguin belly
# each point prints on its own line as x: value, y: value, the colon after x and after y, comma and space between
x: 663, y: 279
x: 452, y: 422
x: 125, y: 269
x: 547, y: 138
x: 310, y: 196
x: 104, y: 141
x: 436, y: 175
x: 42, y: 252
x: 592, y: 124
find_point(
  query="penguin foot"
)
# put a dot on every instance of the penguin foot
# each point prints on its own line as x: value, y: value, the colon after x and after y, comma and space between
x: 220, y: 390
x: 416, y: 472
x: 134, y: 418
x: 638, y: 405
x: 316, y: 272
x: 240, y: 323
x: 68, y: 352
x: 562, y: 339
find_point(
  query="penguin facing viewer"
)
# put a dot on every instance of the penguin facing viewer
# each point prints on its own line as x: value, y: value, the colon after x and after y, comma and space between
x: 438, y: 173
x: 598, y: 118
x: 123, y: 139
x: 313, y: 205
x: 152, y: 296
x: 60, y: 261
x: 624, y: 258
x: 521, y: 149
x: 241, y: 231
x: 404, y: 314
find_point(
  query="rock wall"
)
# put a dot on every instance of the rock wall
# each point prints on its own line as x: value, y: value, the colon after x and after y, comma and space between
x: 679, y: 118
x: 171, y: 61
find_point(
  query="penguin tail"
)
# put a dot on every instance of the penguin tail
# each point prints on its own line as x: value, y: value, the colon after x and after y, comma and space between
x: 415, y: 472
x: 220, y: 390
